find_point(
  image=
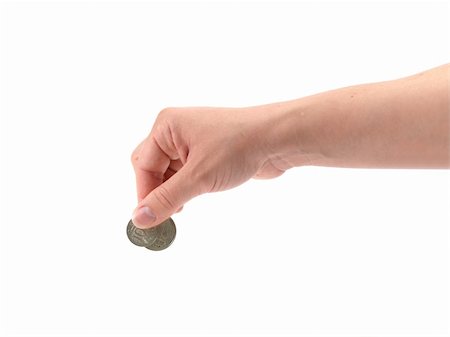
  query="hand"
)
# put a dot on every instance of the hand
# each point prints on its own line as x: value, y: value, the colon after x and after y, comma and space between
x: 191, y: 151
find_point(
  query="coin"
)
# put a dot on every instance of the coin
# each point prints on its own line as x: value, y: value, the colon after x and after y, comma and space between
x: 156, y: 238
x: 141, y: 237
x: 166, y: 232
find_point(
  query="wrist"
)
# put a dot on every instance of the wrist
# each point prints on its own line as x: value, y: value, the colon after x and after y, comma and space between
x: 290, y: 136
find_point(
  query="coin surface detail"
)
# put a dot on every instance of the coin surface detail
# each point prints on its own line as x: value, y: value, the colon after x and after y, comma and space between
x: 156, y: 238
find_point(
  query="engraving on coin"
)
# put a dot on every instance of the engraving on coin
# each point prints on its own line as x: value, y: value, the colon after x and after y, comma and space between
x: 141, y: 237
x: 156, y: 238
x: 166, y: 234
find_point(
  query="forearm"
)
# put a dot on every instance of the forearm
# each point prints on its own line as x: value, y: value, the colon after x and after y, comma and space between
x: 400, y: 123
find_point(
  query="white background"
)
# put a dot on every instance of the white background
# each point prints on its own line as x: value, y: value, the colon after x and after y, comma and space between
x: 318, y: 251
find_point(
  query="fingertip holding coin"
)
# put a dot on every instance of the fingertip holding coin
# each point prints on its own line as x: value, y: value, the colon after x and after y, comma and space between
x: 143, y: 217
x: 154, y: 238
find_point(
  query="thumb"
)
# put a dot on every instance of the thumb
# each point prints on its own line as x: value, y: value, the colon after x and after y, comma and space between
x: 166, y: 199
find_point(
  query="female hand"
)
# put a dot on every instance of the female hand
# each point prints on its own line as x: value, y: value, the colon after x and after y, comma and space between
x: 191, y: 151
x: 402, y: 123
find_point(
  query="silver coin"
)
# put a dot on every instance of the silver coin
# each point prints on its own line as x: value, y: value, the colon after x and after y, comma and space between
x: 165, y: 235
x: 141, y: 237
x: 156, y: 238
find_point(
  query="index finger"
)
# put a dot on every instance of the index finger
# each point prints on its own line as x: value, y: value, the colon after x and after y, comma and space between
x: 150, y: 163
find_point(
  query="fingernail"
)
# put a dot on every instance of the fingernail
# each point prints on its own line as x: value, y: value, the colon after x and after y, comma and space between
x: 143, y: 217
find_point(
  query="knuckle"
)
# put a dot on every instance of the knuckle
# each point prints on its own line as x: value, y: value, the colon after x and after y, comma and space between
x: 134, y: 158
x: 166, y: 112
x: 163, y: 196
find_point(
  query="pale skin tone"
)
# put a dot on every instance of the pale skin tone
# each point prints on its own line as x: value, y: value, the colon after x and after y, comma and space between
x: 402, y: 123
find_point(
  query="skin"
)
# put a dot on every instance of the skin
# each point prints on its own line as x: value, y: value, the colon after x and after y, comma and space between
x: 402, y: 123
